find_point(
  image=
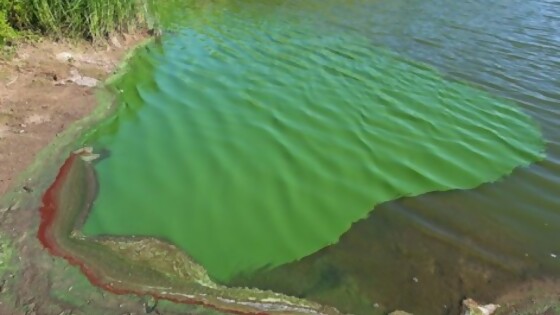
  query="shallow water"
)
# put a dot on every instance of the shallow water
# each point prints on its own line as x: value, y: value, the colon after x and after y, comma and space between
x: 253, y: 135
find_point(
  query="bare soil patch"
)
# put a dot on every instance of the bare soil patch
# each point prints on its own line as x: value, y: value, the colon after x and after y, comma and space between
x: 44, y: 88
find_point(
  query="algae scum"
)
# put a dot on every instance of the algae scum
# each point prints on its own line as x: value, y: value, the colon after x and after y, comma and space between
x: 253, y: 135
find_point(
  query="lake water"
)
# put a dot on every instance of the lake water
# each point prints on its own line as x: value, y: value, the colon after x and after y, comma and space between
x: 370, y: 155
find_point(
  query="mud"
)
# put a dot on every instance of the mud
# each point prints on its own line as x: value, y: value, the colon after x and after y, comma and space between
x: 39, y: 96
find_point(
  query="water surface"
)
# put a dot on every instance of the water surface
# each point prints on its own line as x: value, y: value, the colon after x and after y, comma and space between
x: 253, y: 135
x: 479, y: 243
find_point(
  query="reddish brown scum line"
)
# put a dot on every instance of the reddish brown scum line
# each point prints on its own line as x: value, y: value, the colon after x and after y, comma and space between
x: 46, y: 235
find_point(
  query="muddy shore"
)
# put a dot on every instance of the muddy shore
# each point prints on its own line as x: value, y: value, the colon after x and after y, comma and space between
x: 40, y: 96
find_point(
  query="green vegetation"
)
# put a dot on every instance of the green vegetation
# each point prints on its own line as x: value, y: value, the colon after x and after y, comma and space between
x: 91, y: 19
x: 7, y: 33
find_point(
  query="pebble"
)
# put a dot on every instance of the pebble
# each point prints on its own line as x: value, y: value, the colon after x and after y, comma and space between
x: 64, y: 56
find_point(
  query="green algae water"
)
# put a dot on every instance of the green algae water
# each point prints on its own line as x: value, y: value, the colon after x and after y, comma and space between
x: 252, y: 145
x: 252, y: 134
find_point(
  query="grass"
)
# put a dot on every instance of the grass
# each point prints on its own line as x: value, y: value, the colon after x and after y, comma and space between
x: 7, y: 33
x: 89, y: 19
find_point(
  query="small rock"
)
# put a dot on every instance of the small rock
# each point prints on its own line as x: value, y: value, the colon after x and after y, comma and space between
x: 415, y: 279
x: 553, y: 255
x: 64, y: 57
x: 86, y: 150
x: 89, y: 157
x: 78, y: 79
x: 470, y: 307
x: 87, y: 154
x: 85, y: 81
x: 399, y: 313
x: 115, y: 42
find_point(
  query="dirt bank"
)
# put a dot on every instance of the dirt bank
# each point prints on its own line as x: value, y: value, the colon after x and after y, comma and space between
x: 45, y: 87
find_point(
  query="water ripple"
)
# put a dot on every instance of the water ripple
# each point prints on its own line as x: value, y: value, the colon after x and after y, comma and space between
x: 257, y: 137
x: 252, y: 148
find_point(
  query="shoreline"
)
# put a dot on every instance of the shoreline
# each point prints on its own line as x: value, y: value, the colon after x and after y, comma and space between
x: 47, y: 87
x: 72, y: 193
x: 21, y: 195
x: 53, y: 115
